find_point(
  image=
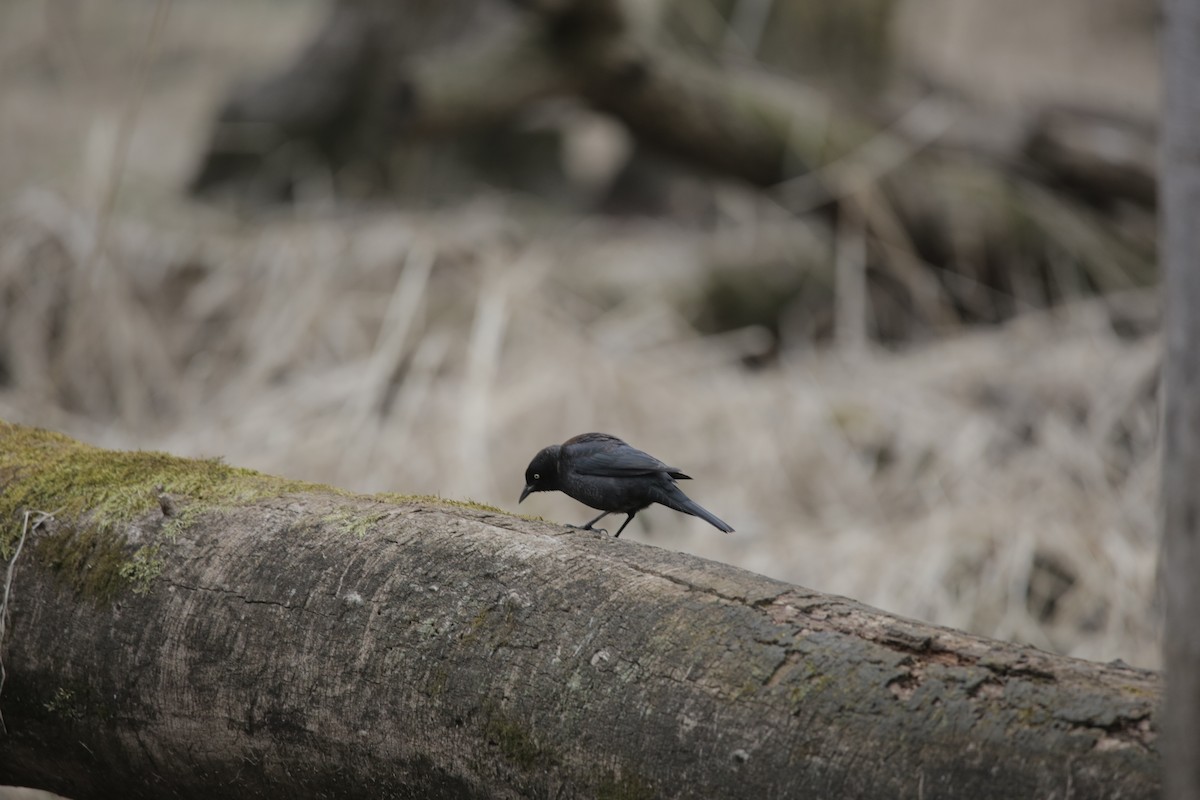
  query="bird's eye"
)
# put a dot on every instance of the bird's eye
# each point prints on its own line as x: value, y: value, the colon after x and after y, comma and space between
x: 537, y: 477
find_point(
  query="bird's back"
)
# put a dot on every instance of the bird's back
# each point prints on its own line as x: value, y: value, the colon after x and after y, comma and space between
x: 603, y: 455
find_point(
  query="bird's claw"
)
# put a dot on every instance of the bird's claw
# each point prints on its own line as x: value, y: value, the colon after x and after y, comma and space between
x: 588, y: 528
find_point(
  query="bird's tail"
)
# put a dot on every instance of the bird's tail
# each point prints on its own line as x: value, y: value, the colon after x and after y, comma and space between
x: 673, y: 497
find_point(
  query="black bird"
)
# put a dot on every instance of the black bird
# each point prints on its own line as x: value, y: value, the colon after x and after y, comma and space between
x: 605, y: 473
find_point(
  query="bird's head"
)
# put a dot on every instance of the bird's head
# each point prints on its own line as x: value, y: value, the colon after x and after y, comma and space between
x: 542, y: 473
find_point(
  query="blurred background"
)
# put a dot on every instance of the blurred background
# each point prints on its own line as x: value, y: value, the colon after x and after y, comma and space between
x: 879, y: 274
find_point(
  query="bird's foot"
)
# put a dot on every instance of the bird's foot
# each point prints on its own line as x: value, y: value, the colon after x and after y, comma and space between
x: 588, y: 528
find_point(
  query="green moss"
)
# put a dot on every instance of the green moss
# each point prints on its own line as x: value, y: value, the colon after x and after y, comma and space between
x: 75, y: 701
x: 492, y: 625
x: 142, y: 568
x: 93, y: 493
x: 433, y: 499
x: 478, y: 621
x: 47, y: 471
x: 358, y: 523
x: 184, y: 518
x: 89, y: 559
x: 807, y: 682
x: 63, y: 704
x: 355, y: 522
x: 625, y: 787
x: 438, y: 681
x: 516, y: 743
x: 475, y: 628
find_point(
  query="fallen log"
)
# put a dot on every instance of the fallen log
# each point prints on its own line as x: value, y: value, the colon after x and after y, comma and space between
x: 188, y: 628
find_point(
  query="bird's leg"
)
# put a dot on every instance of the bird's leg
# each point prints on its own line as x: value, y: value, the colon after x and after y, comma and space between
x: 587, y: 526
x: 628, y: 520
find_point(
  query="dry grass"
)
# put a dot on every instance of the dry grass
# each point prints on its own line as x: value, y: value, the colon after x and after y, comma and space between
x: 1003, y: 481
x: 1022, y: 53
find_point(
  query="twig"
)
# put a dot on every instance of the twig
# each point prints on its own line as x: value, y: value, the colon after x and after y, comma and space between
x: 747, y: 22
x: 8, y: 579
x: 125, y: 128
x: 886, y: 151
x: 850, y: 281
x: 103, y: 284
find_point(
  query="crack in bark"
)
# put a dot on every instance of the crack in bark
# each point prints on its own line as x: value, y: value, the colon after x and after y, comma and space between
x: 708, y: 590
x: 243, y: 598
x: 1134, y: 731
x: 784, y: 668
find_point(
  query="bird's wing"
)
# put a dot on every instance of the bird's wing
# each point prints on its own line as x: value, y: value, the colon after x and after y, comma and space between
x: 615, y: 460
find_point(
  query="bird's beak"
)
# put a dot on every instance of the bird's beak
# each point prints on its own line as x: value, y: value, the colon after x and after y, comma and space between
x: 525, y: 493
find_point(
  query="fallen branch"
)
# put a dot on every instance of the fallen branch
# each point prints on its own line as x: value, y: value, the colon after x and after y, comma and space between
x: 289, y: 639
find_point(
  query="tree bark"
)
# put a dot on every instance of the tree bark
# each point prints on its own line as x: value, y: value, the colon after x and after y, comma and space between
x: 1181, y: 380
x: 232, y: 634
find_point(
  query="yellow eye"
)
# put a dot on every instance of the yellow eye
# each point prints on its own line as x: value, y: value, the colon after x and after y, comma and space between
x: 537, y: 477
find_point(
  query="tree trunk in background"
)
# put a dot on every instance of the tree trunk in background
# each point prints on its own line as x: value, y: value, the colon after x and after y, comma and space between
x: 329, y: 109
x: 1181, y: 432
x: 245, y: 636
x: 952, y: 234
